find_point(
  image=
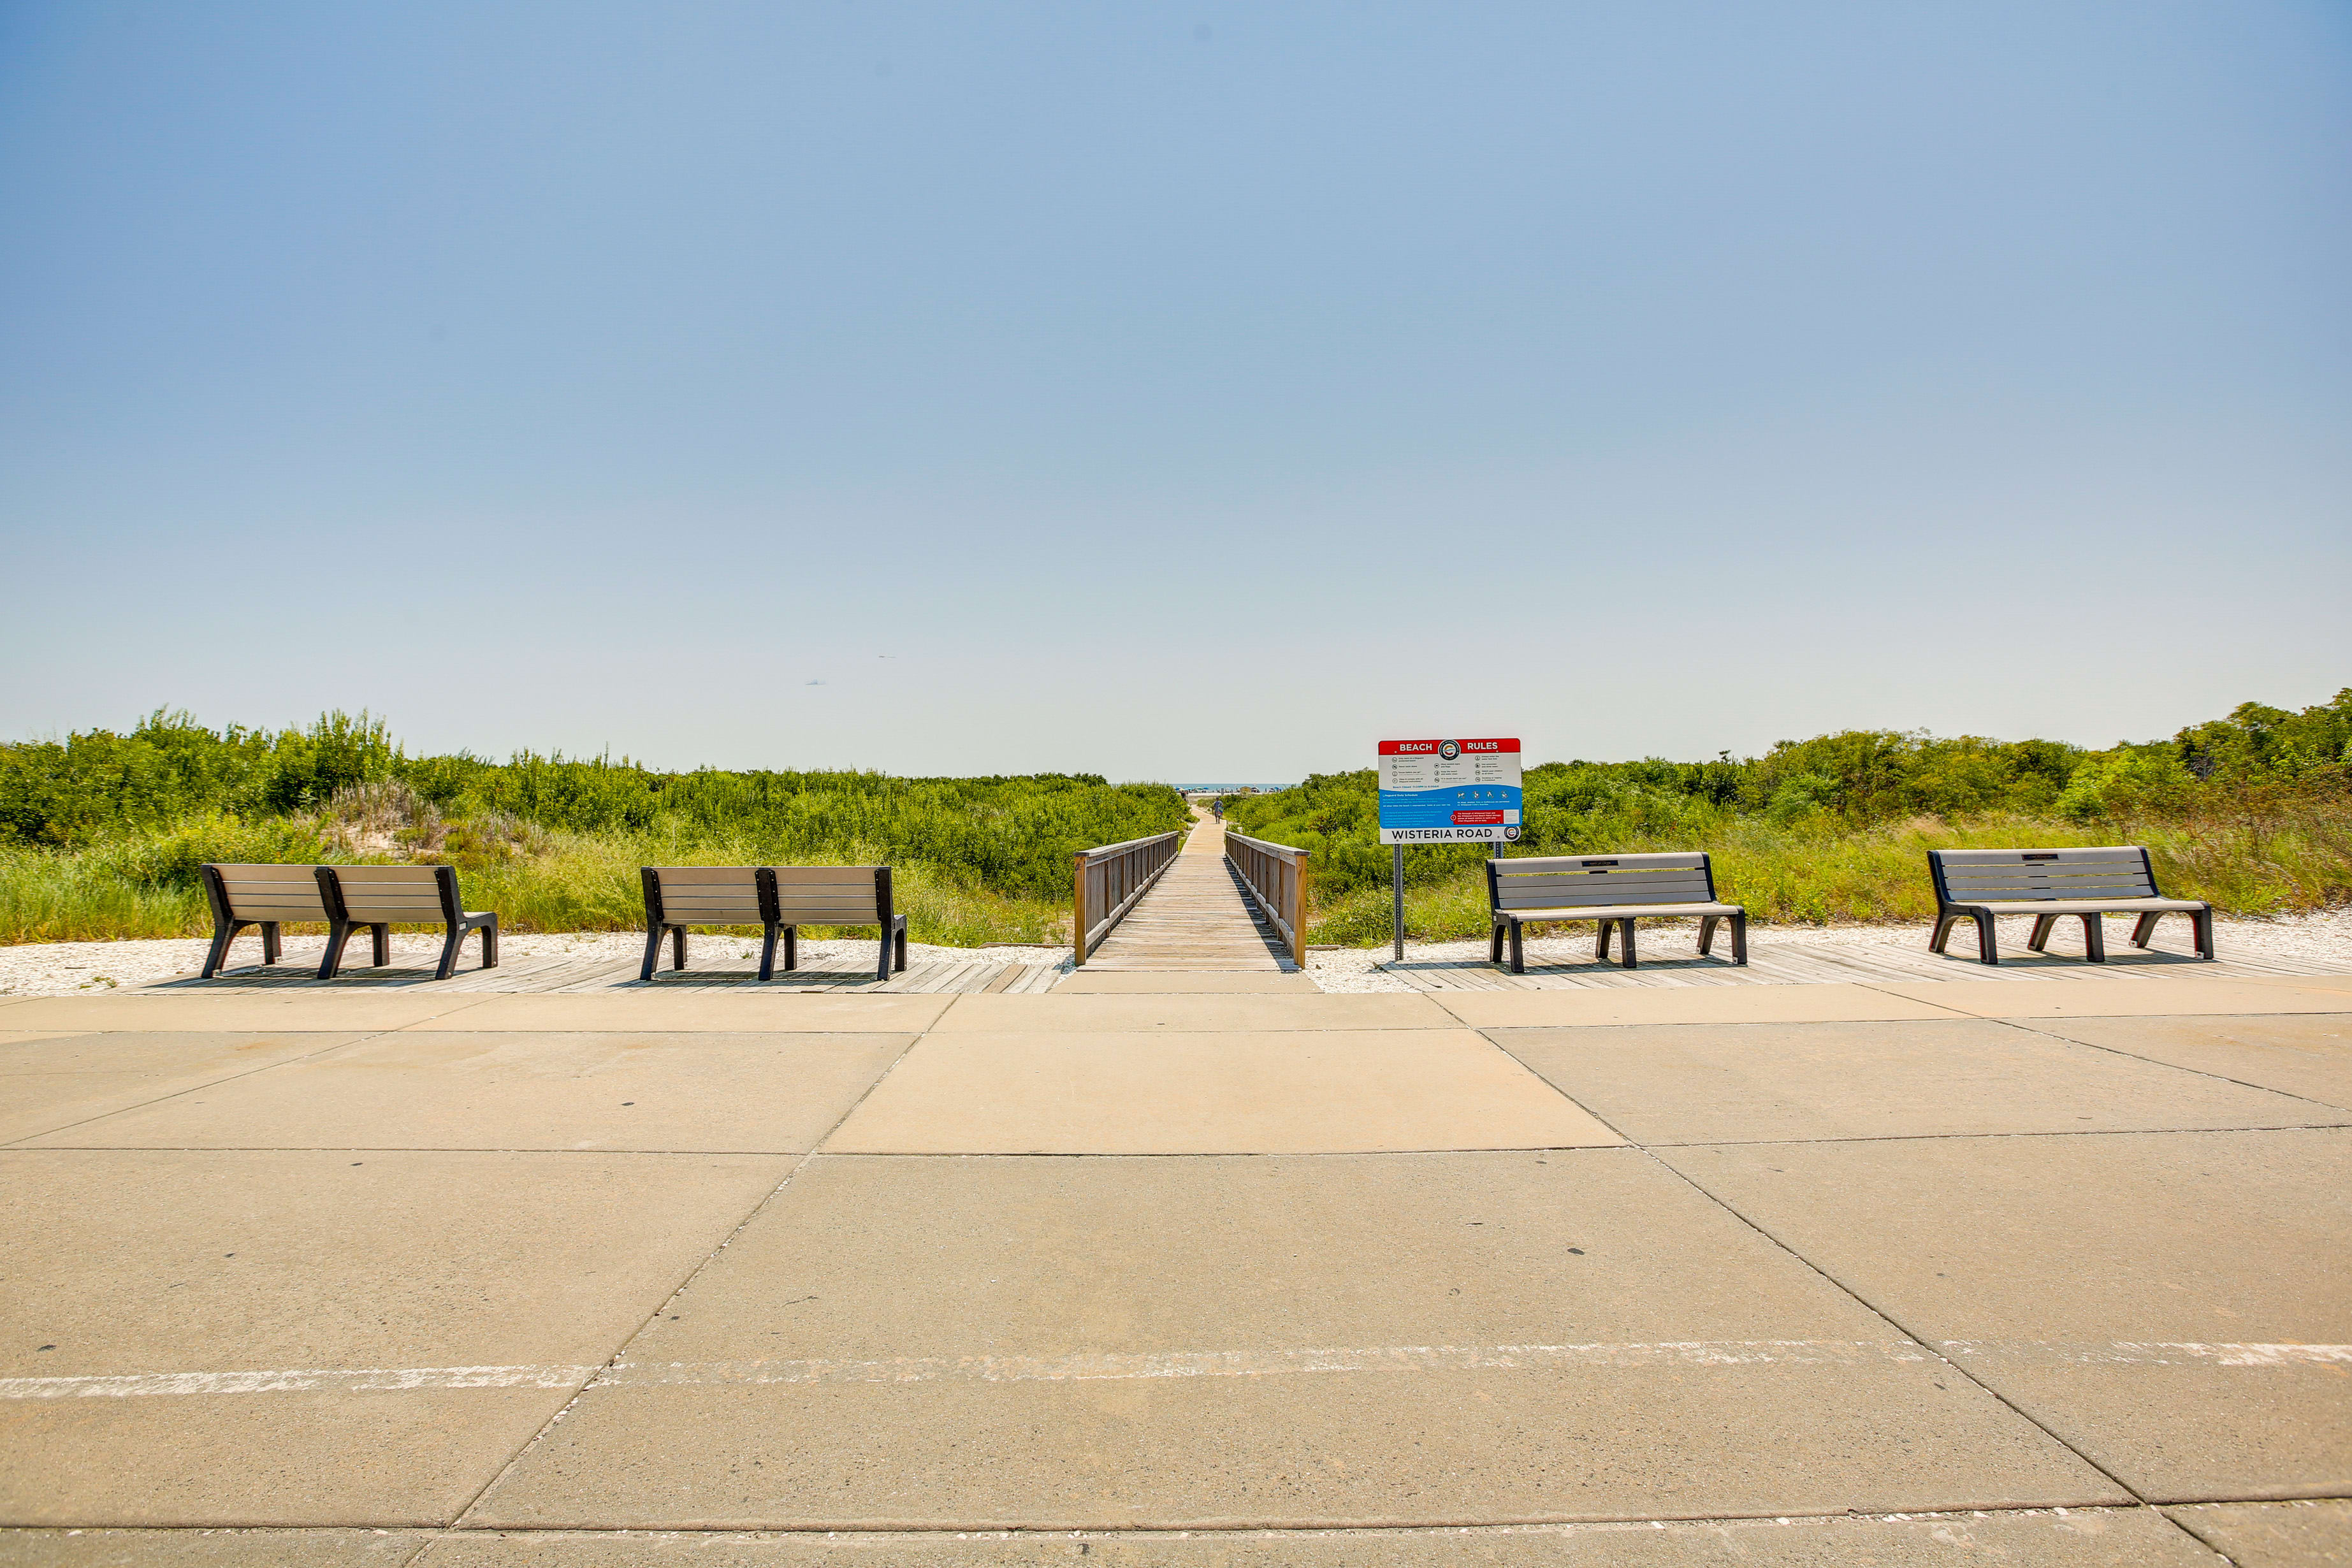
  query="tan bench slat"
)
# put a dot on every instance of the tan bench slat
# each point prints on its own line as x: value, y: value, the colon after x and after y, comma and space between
x: 2017, y: 857
x: 1621, y: 911
x: 255, y: 910
x: 829, y: 910
x: 2078, y: 906
x: 2083, y: 887
x: 1564, y: 900
x: 1679, y: 874
x: 819, y: 876
x: 1628, y: 890
x: 1536, y: 863
x: 269, y: 873
x: 388, y: 875
x: 724, y: 876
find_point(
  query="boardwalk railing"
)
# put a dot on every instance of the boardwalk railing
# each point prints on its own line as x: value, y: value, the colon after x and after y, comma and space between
x: 1110, y: 878
x: 1276, y: 876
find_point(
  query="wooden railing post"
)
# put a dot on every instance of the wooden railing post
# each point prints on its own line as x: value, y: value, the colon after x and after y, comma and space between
x: 1127, y: 872
x: 1276, y: 876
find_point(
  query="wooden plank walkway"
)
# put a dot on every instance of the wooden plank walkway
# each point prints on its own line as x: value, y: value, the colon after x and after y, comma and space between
x: 550, y: 975
x: 1195, y: 917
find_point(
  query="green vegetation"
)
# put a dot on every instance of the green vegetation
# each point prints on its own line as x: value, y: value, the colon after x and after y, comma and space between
x: 100, y: 834
x: 2254, y: 811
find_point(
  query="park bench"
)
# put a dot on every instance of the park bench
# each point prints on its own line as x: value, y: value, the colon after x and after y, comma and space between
x: 381, y: 896
x: 777, y: 899
x: 265, y: 896
x: 1978, y: 884
x: 1613, y: 890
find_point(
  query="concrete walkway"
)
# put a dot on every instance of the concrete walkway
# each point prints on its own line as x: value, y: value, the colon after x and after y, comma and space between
x: 1838, y: 1274
x: 1196, y: 918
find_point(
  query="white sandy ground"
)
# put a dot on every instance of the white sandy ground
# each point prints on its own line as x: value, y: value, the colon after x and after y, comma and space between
x: 64, y: 968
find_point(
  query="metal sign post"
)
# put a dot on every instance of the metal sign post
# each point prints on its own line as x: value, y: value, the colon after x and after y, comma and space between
x: 1396, y: 866
x: 1444, y: 792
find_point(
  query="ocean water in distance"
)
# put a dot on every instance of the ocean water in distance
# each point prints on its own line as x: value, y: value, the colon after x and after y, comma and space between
x: 1218, y: 788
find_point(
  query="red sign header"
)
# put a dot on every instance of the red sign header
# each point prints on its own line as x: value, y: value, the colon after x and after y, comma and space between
x: 1428, y: 748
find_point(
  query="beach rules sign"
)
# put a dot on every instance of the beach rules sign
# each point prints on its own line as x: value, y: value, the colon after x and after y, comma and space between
x: 1449, y: 792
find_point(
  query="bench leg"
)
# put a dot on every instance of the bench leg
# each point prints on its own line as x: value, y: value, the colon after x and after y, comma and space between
x: 380, y: 943
x: 902, y: 947
x: 222, y: 936
x: 1740, y: 938
x: 1944, y: 924
x: 1600, y: 944
x: 1707, y: 934
x: 2143, y: 927
x: 2202, y: 922
x: 677, y: 947
x: 1518, y: 947
x: 489, y: 929
x: 338, y: 934
x: 653, y: 953
x: 882, y: 969
x: 271, y: 945
x: 1494, y: 941
x: 1987, y: 953
x: 768, y: 953
x: 2042, y: 926
x: 1629, y: 944
x: 2094, y: 939
x: 792, y: 948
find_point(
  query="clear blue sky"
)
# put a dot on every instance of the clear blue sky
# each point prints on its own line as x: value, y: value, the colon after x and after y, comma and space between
x: 1198, y: 390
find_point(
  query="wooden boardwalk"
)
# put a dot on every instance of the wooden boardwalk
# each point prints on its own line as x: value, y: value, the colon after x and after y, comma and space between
x: 1801, y: 964
x: 1195, y: 917
x: 551, y: 975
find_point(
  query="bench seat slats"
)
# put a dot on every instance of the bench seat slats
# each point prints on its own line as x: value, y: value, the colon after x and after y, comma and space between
x: 824, y: 876
x: 1964, y: 893
x: 1619, y: 911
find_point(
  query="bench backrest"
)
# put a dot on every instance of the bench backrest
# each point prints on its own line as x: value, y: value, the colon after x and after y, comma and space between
x: 397, y: 895
x: 705, y: 895
x: 1572, y: 881
x: 754, y: 895
x: 2007, y: 875
x: 266, y: 892
x: 832, y: 895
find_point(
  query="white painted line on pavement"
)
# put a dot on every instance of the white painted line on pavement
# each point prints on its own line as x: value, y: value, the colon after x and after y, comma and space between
x: 1086, y: 1366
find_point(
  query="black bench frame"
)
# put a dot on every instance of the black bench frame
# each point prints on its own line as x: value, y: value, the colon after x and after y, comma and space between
x: 1514, y: 920
x: 1950, y: 912
x: 339, y: 926
x: 772, y: 924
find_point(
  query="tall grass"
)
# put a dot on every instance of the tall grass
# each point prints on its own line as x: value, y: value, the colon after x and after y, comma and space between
x: 1826, y: 872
